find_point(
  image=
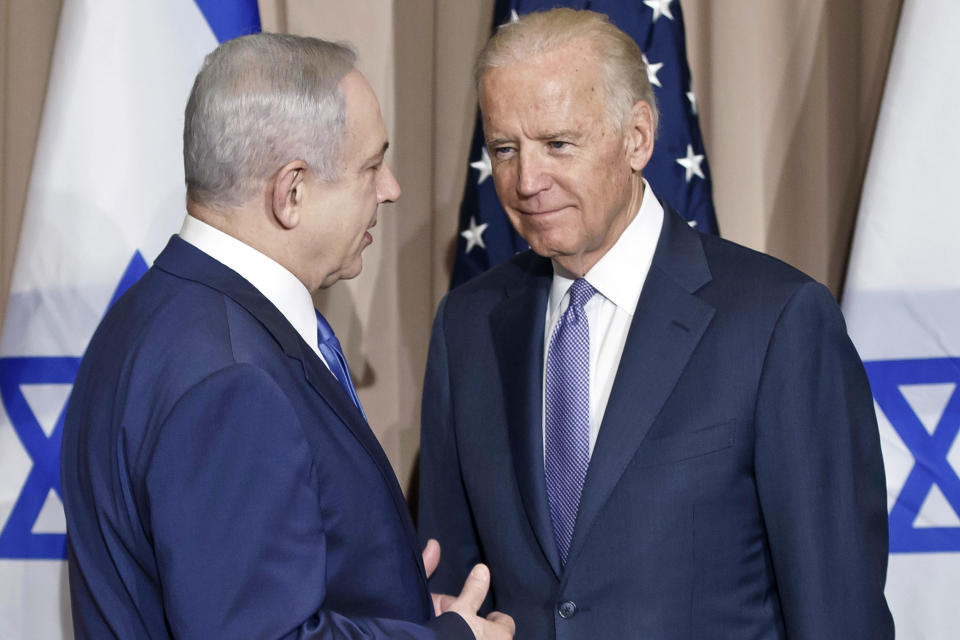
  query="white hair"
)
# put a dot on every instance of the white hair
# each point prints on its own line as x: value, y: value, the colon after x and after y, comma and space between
x: 625, y: 77
x: 259, y: 102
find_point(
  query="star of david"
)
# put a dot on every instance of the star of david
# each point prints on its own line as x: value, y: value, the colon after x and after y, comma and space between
x: 17, y: 538
x: 929, y: 450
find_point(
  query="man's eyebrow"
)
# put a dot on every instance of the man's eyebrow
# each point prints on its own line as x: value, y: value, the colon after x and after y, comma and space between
x: 379, y: 154
x: 564, y: 134
x: 496, y: 142
x: 568, y: 134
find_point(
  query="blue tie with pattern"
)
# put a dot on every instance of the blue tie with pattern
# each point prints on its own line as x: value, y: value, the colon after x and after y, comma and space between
x: 567, y: 414
x: 333, y: 354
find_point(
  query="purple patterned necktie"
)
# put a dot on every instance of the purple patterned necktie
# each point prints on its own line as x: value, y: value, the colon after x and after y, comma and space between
x: 567, y: 414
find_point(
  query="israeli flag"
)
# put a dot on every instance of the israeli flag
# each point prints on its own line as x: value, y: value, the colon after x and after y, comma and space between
x: 106, y: 192
x: 902, y: 304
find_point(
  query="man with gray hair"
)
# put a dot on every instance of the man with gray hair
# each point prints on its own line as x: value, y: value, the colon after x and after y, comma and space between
x: 219, y: 476
x: 644, y: 431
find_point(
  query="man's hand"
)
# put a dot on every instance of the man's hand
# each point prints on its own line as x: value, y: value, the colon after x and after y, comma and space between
x: 496, y: 626
x: 431, y: 556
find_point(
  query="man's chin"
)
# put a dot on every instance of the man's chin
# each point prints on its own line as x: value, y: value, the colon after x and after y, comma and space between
x: 354, y: 269
x: 351, y: 272
x: 570, y: 264
x: 544, y: 247
x: 346, y: 273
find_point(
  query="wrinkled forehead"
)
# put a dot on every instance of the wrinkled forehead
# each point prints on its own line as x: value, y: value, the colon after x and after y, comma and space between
x: 554, y: 89
x: 555, y: 73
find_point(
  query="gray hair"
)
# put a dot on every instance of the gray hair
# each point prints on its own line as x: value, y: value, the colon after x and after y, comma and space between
x: 625, y: 79
x: 259, y: 102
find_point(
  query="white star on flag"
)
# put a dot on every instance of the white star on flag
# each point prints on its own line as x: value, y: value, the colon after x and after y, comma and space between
x: 660, y: 8
x: 691, y: 96
x: 652, y: 69
x: 692, y: 163
x: 474, y: 234
x: 513, y: 16
x: 484, y: 166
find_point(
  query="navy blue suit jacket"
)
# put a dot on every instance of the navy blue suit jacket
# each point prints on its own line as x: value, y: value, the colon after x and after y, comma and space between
x: 736, y: 489
x: 219, y: 483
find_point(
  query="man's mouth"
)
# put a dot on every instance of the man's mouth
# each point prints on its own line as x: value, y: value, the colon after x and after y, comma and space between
x: 541, y: 211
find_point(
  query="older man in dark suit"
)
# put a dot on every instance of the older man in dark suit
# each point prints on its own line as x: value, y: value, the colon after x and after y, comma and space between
x: 219, y: 476
x: 645, y: 431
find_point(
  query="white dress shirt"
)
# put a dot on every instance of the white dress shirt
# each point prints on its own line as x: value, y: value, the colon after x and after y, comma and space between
x: 274, y: 281
x: 618, y: 278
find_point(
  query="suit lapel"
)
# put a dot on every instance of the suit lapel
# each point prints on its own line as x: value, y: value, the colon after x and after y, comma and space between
x: 666, y: 328
x: 517, y: 326
x: 186, y: 261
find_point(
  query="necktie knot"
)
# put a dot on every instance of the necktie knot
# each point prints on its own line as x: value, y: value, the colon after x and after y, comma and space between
x: 324, y: 330
x: 580, y: 292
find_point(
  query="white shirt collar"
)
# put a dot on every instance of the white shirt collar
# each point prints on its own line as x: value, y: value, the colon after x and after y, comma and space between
x: 620, y: 273
x: 271, y: 279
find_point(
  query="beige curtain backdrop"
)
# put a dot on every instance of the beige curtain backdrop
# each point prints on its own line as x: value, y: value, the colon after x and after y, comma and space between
x: 788, y: 92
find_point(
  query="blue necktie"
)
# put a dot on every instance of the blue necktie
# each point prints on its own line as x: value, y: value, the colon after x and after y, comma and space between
x: 333, y: 354
x: 567, y: 415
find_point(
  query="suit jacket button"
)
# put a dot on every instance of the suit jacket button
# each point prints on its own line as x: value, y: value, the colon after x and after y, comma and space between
x: 567, y: 609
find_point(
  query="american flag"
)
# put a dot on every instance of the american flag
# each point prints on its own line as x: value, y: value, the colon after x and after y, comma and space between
x: 678, y: 170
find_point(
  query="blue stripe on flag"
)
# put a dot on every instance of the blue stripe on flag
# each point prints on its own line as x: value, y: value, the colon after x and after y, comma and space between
x: 230, y: 19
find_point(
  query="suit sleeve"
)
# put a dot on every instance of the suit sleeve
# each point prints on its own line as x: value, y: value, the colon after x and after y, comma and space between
x: 444, y: 511
x: 820, y: 476
x: 237, y: 525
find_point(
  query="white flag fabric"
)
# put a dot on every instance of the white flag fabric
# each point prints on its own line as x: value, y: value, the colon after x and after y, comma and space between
x: 106, y: 191
x: 902, y: 304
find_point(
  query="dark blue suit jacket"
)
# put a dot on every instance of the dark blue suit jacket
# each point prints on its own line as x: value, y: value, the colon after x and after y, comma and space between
x: 219, y: 483
x: 736, y: 489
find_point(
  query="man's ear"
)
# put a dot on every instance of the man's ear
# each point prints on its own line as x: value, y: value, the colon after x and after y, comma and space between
x: 640, y: 134
x: 288, y: 188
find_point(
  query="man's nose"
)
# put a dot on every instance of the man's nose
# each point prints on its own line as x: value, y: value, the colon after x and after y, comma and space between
x: 532, y: 177
x: 388, y: 189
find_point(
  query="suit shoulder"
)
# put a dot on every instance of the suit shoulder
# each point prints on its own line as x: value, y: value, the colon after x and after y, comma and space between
x: 488, y: 288
x: 746, y: 278
x: 177, y: 316
x: 755, y: 288
x: 175, y: 332
x: 727, y: 259
x: 502, y: 275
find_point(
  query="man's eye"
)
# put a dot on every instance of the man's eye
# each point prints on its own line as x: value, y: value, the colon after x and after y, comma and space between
x: 502, y: 152
x: 557, y: 144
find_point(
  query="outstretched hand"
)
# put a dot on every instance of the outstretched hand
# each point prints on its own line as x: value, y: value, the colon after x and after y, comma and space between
x: 496, y: 626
